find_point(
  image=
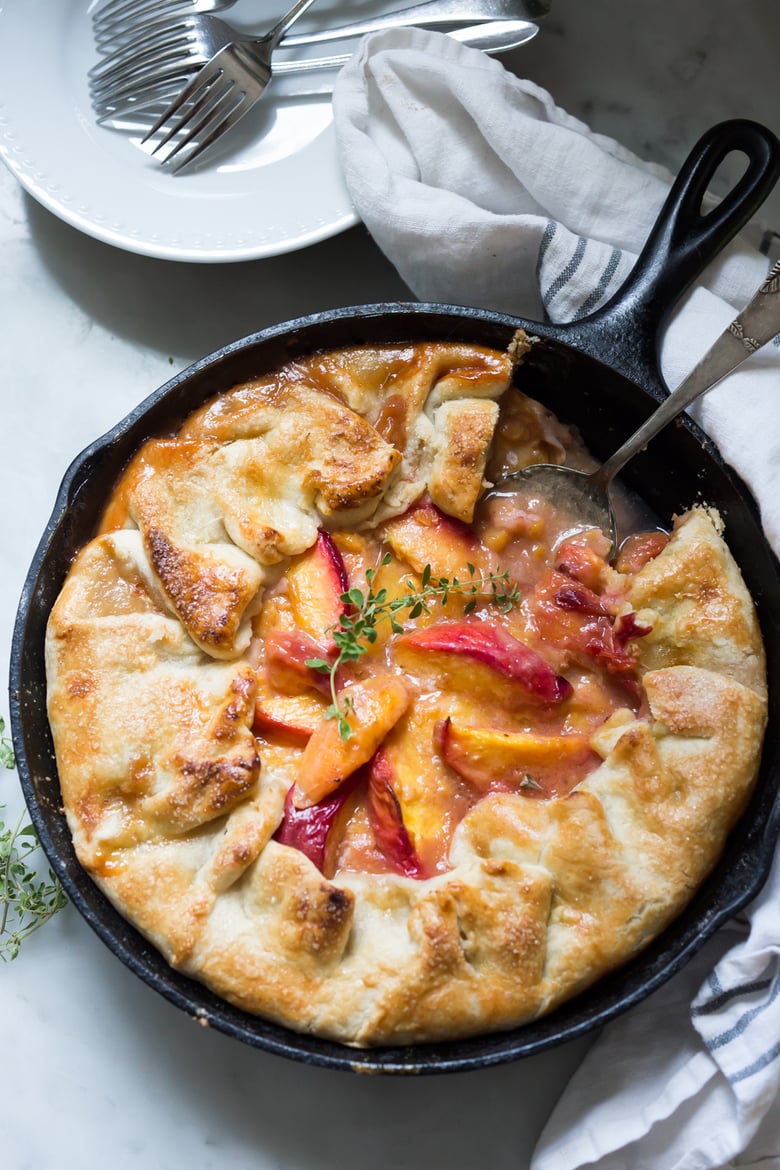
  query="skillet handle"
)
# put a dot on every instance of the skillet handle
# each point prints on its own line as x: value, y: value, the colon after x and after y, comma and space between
x: 626, y: 331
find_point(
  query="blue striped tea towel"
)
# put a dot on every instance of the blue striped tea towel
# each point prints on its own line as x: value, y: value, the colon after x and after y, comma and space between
x: 482, y: 192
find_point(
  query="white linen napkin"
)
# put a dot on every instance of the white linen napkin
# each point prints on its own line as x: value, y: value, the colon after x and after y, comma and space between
x: 482, y: 192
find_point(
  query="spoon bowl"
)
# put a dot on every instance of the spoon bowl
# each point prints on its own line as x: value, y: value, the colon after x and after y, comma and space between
x: 582, y: 495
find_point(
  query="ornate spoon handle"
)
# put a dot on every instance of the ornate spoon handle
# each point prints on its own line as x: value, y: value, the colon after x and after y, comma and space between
x: 757, y: 324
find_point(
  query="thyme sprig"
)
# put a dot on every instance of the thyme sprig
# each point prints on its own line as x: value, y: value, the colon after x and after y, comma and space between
x: 28, y: 898
x: 356, y: 629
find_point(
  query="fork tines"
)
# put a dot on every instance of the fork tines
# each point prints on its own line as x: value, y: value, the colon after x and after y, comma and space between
x: 145, y: 68
x: 206, y: 109
x: 157, y: 36
x: 114, y: 16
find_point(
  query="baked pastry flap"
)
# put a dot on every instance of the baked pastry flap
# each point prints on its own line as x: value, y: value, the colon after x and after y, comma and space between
x: 340, y: 439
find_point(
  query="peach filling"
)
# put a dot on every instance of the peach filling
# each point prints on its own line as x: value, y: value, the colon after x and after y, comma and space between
x: 471, y: 693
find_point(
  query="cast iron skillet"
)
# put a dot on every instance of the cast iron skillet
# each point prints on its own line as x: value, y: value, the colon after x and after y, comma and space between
x: 601, y: 373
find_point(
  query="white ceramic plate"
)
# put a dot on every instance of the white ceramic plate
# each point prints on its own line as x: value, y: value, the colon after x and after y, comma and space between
x: 275, y: 185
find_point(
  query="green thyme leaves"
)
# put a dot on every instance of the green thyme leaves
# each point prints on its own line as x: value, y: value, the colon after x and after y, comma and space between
x: 356, y: 630
x: 29, y: 897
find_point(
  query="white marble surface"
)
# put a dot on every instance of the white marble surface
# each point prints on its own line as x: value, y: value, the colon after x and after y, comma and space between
x: 99, y: 1071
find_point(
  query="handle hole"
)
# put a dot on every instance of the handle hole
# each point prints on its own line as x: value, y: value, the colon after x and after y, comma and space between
x: 725, y: 178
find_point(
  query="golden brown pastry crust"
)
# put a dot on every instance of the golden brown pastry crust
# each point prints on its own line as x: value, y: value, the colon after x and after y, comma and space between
x: 151, y: 699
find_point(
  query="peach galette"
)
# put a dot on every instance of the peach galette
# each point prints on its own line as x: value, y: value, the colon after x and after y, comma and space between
x: 370, y: 750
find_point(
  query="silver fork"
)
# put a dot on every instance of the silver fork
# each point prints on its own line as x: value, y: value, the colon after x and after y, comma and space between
x: 492, y: 37
x: 168, y: 51
x: 221, y: 93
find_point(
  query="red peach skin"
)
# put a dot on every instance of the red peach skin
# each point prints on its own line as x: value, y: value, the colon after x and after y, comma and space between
x: 390, y: 832
x: 494, y: 647
x: 286, y: 655
x: 315, y: 583
x: 426, y: 536
x: 308, y: 829
x: 290, y: 718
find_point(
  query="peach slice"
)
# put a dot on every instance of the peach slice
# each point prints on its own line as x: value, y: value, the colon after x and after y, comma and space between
x: 432, y: 800
x: 372, y: 708
x: 315, y: 583
x: 289, y: 718
x: 489, y: 758
x: 492, y: 646
x: 640, y: 548
x: 576, y: 597
x: 308, y: 829
x: 580, y: 560
x: 575, y: 619
x: 424, y: 535
x: 387, y: 822
x: 287, y: 653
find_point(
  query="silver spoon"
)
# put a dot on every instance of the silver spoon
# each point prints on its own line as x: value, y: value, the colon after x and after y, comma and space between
x: 494, y: 36
x: 586, y: 495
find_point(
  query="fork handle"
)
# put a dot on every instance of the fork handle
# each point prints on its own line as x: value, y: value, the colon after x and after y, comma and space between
x: 281, y: 26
